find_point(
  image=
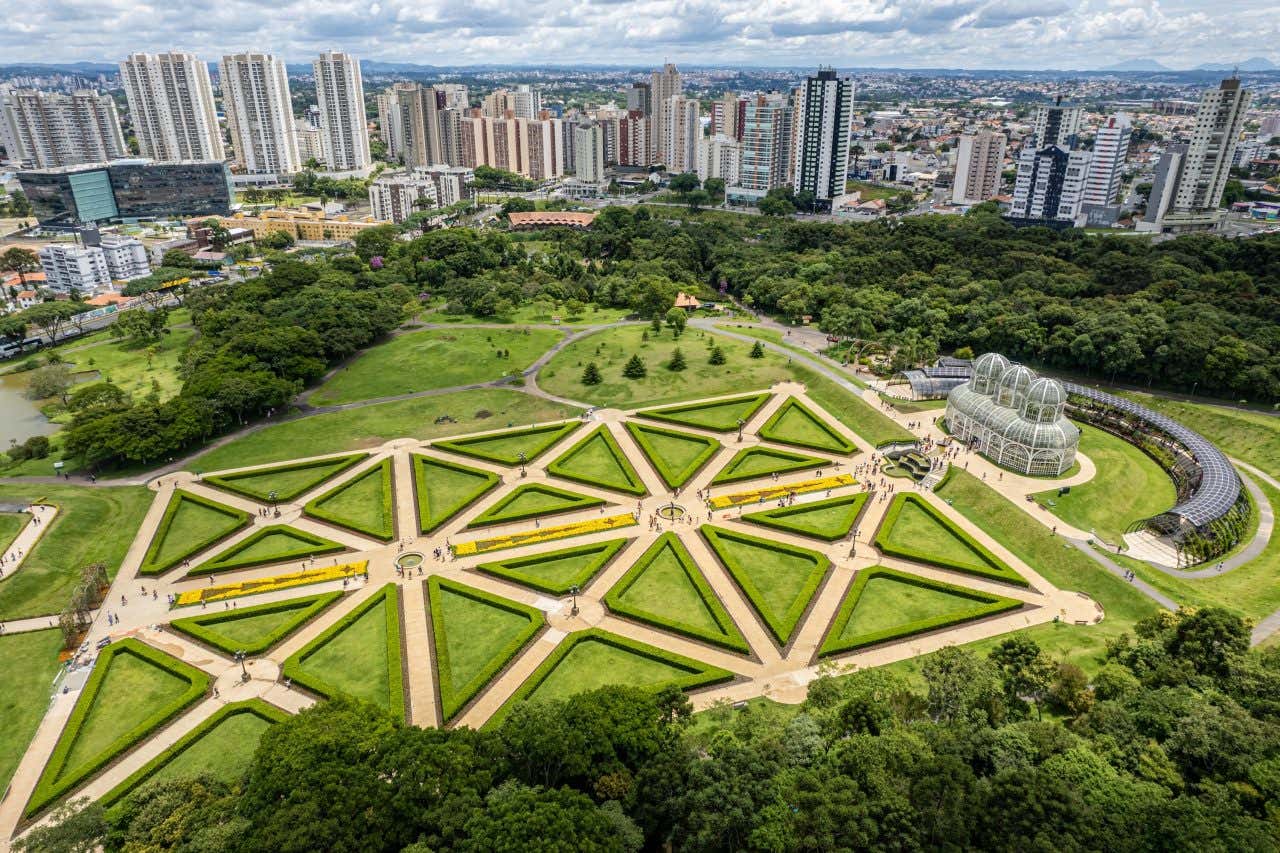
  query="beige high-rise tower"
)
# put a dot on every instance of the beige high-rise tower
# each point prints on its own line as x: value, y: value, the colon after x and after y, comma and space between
x: 171, y: 106
x: 663, y: 86
x: 979, y: 162
x: 259, y: 110
x: 344, y: 130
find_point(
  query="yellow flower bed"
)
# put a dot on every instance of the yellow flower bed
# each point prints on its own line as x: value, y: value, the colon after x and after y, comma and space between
x: 271, y: 584
x: 774, y: 492
x: 545, y: 534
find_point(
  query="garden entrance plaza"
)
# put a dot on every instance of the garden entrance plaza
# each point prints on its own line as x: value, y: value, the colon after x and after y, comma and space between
x: 779, y: 653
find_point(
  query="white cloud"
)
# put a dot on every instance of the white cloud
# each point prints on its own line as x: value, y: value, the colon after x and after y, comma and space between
x: 911, y: 33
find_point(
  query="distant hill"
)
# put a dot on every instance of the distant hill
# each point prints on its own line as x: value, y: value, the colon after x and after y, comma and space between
x: 1255, y: 63
x: 1137, y: 65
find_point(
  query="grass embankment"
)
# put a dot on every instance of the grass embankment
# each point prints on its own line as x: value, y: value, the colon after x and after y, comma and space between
x: 26, y: 680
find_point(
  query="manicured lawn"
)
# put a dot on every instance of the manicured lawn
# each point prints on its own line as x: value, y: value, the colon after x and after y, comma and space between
x: 132, y: 690
x: 529, y: 312
x: 720, y: 416
x: 435, y: 358
x: 275, y: 543
x: 851, y: 410
x: 506, y: 447
x: 676, y: 456
x: 912, y: 407
x: 93, y: 524
x: 532, y: 500
x: 1251, y: 436
x: 612, y: 348
x: 666, y: 589
x: 794, y: 423
x: 355, y: 660
x: 370, y: 426
x: 257, y: 628
x: 365, y: 504
x: 887, y: 603
x: 224, y: 752
x: 1060, y: 564
x: 777, y: 579
x: 11, y: 524
x: 1128, y: 487
x: 190, y: 524
x: 285, y: 481
x: 915, y: 530
x: 829, y: 519
x: 26, y: 683
x: 476, y: 634
x: 598, y: 461
x: 753, y: 462
x: 444, y: 489
x: 555, y: 572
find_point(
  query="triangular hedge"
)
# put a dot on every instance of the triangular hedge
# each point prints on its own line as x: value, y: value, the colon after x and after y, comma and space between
x: 287, y: 481
x: 191, y: 523
x: 365, y: 503
x: 444, y: 489
x: 675, y: 455
x: 715, y: 415
x: 796, y: 424
x: 556, y: 572
x: 752, y: 463
x: 830, y: 519
x: 533, y: 500
x: 256, y: 629
x: 276, y: 543
x: 597, y: 460
x: 913, y: 529
x: 505, y: 447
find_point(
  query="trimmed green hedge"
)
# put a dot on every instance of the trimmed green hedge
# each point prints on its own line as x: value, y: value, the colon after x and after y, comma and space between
x: 635, y: 486
x: 595, y: 556
x: 228, y: 481
x: 781, y: 626
x: 678, y: 414
x: 201, y: 628
x: 496, y: 514
x: 150, y: 567
x: 777, y: 517
x: 992, y: 568
x: 788, y: 463
x: 729, y: 636
x: 452, y: 697
x: 54, y: 784
x: 673, y: 479
x: 389, y: 599
x: 255, y: 706
x: 770, y: 430
x: 548, y: 436
x: 420, y: 463
x: 383, y: 469
x: 700, y: 674
x: 989, y: 605
x: 311, y: 545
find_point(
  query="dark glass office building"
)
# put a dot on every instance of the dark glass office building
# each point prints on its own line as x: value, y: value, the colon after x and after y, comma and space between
x: 128, y: 190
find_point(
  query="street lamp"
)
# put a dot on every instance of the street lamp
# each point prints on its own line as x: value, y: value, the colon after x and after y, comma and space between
x: 573, y: 590
x: 741, y: 423
x: 244, y: 673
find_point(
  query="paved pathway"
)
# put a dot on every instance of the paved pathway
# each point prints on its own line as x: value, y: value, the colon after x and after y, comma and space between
x: 13, y: 557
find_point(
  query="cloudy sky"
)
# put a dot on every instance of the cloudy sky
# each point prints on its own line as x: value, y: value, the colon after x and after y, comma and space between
x: 906, y: 33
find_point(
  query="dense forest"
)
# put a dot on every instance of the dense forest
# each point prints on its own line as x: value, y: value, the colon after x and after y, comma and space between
x: 1174, y: 745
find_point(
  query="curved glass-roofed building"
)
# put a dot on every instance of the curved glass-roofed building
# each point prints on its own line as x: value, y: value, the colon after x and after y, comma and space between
x: 1013, y: 417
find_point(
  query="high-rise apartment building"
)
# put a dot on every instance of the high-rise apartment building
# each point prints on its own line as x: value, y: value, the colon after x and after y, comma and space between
x: 588, y: 152
x: 344, y: 130
x: 50, y: 130
x: 663, y: 86
x: 823, y: 117
x: 1050, y: 186
x: 683, y: 128
x: 526, y: 102
x: 473, y: 142
x: 1106, y: 165
x: 1190, y: 178
x: 639, y: 98
x: 259, y: 111
x: 1058, y: 124
x: 726, y: 116
x: 720, y: 157
x: 633, y: 139
x: 390, y: 124
x: 979, y: 163
x: 538, y: 145
x: 69, y: 267
x: 420, y: 124
x: 766, y: 143
x: 171, y: 106
x: 455, y: 95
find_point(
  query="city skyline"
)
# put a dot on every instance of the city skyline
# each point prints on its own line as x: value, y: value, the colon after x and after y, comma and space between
x: 977, y: 34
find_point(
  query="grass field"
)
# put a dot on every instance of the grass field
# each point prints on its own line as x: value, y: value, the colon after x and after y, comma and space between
x: 355, y: 659
x: 370, y: 426
x: 224, y: 752
x: 753, y: 462
x: 531, y: 312
x: 828, y: 519
x: 285, y: 481
x: 132, y: 690
x: 26, y: 683
x: 435, y: 358
x: 1128, y: 486
x: 852, y: 411
x: 591, y: 664
x: 531, y: 500
x: 611, y: 349
x: 11, y: 524
x: 871, y: 192
x: 913, y: 407
x: 137, y: 371
x: 93, y: 524
x: 555, y: 572
x: 598, y: 460
x: 443, y: 489
x: 1251, y: 436
x: 888, y: 603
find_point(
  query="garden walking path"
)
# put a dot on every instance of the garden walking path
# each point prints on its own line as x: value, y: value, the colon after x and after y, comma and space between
x: 42, y: 516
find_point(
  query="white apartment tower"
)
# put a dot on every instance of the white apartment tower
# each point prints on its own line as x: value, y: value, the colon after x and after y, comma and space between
x: 259, y: 111
x: 51, y: 130
x: 171, y: 105
x: 1190, y: 178
x: 394, y: 198
x: 719, y: 157
x: 823, y: 117
x: 1050, y: 186
x: 526, y: 101
x: 683, y: 128
x: 588, y: 152
x: 344, y: 131
x: 979, y: 161
x: 1106, y: 166
x: 70, y: 267
x: 663, y: 86
x: 1058, y: 124
x: 126, y: 257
